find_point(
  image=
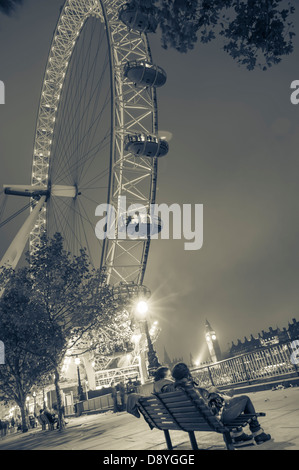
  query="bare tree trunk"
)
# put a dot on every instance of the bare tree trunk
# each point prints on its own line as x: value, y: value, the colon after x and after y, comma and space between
x: 21, y: 401
x: 61, y: 422
x: 23, y: 416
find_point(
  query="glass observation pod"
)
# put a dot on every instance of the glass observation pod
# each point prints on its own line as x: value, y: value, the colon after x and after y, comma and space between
x: 146, y: 145
x: 140, y: 225
x: 137, y: 18
x: 144, y: 73
x: 130, y: 289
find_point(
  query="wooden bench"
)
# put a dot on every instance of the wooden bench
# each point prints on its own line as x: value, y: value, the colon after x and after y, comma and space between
x: 185, y: 411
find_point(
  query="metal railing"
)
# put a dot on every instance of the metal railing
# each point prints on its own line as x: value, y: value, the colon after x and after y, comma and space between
x: 261, y: 365
x: 107, y: 376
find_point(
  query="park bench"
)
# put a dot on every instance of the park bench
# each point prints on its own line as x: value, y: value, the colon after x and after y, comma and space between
x: 184, y: 411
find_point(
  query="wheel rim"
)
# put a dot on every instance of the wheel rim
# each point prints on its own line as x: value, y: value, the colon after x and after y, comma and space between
x: 133, y: 110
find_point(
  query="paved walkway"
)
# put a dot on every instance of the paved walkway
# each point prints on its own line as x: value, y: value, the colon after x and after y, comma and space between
x: 122, y: 431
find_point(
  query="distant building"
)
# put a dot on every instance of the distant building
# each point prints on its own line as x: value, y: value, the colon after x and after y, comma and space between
x: 293, y: 329
x: 266, y: 338
x: 170, y: 362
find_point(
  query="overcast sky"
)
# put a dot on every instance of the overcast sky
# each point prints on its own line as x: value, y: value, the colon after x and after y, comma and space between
x: 234, y: 150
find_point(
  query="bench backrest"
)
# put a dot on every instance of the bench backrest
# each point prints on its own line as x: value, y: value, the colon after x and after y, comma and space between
x: 155, y: 413
x: 180, y: 410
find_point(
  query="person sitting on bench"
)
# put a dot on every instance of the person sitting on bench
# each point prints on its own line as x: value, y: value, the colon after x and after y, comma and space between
x: 224, y: 407
x: 163, y: 381
x: 51, y: 417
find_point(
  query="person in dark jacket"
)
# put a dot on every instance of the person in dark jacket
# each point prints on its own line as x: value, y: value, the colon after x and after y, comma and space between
x: 122, y: 392
x: 225, y: 407
x: 114, y: 397
x: 163, y: 381
x: 130, y: 387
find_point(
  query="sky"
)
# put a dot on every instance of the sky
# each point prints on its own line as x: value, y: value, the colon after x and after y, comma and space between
x: 234, y: 149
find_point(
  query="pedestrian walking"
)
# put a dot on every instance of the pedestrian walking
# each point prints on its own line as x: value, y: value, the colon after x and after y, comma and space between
x: 114, y: 397
x: 122, y: 392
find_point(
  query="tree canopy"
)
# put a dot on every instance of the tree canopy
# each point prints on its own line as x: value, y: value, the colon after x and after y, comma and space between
x: 9, y: 6
x: 50, y: 306
x: 21, y: 368
x: 255, y: 33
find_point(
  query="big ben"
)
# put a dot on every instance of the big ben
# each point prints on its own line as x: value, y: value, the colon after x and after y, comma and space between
x: 212, y: 342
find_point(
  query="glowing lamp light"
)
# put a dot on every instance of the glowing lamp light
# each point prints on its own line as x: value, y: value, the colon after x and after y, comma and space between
x: 142, y: 307
x: 77, y: 361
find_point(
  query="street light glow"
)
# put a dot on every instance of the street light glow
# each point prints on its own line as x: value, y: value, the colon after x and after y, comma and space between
x: 142, y: 307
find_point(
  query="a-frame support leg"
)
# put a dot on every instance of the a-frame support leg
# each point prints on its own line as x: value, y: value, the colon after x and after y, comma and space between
x: 168, y: 440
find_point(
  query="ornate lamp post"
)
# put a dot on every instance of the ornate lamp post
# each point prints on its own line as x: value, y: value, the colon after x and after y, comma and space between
x: 135, y: 298
x: 34, y: 399
x: 153, y: 362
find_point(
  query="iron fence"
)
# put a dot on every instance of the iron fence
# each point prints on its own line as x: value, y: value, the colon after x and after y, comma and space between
x: 263, y: 364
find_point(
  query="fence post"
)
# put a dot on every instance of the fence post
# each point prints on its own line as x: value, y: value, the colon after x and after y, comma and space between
x: 293, y: 363
x: 210, y: 375
x: 245, y: 370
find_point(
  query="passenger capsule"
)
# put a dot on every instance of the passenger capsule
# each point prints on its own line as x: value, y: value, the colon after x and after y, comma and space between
x: 140, y: 225
x: 144, y: 73
x: 146, y: 145
x: 136, y: 18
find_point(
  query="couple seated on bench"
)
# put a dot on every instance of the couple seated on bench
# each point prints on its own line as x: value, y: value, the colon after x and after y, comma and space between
x: 225, y: 407
x: 51, y: 418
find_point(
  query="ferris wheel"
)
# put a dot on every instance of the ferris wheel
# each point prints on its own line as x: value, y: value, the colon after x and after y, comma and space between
x: 96, y: 138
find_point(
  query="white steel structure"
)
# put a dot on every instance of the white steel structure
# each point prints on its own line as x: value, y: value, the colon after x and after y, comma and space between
x: 88, y: 106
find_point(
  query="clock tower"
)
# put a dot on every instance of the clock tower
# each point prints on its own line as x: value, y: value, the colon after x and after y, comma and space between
x: 212, y: 342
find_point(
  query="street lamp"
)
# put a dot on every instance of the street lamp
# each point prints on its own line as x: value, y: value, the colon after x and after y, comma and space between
x: 34, y: 399
x: 141, y: 310
x: 86, y: 389
x: 80, y: 389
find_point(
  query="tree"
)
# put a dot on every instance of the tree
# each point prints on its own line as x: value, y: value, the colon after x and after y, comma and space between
x: 21, y: 369
x: 8, y: 6
x: 256, y: 33
x: 72, y: 297
x: 66, y: 304
x: 47, y: 307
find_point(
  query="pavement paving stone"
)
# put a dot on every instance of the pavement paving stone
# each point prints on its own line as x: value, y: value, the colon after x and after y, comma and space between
x: 122, y: 431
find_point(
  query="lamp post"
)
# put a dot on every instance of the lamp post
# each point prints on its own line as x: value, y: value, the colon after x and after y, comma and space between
x: 80, y: 389
x: 27, y: 405
x: 153, y: 362
x: 86, y: 390
x: 34, y: 400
